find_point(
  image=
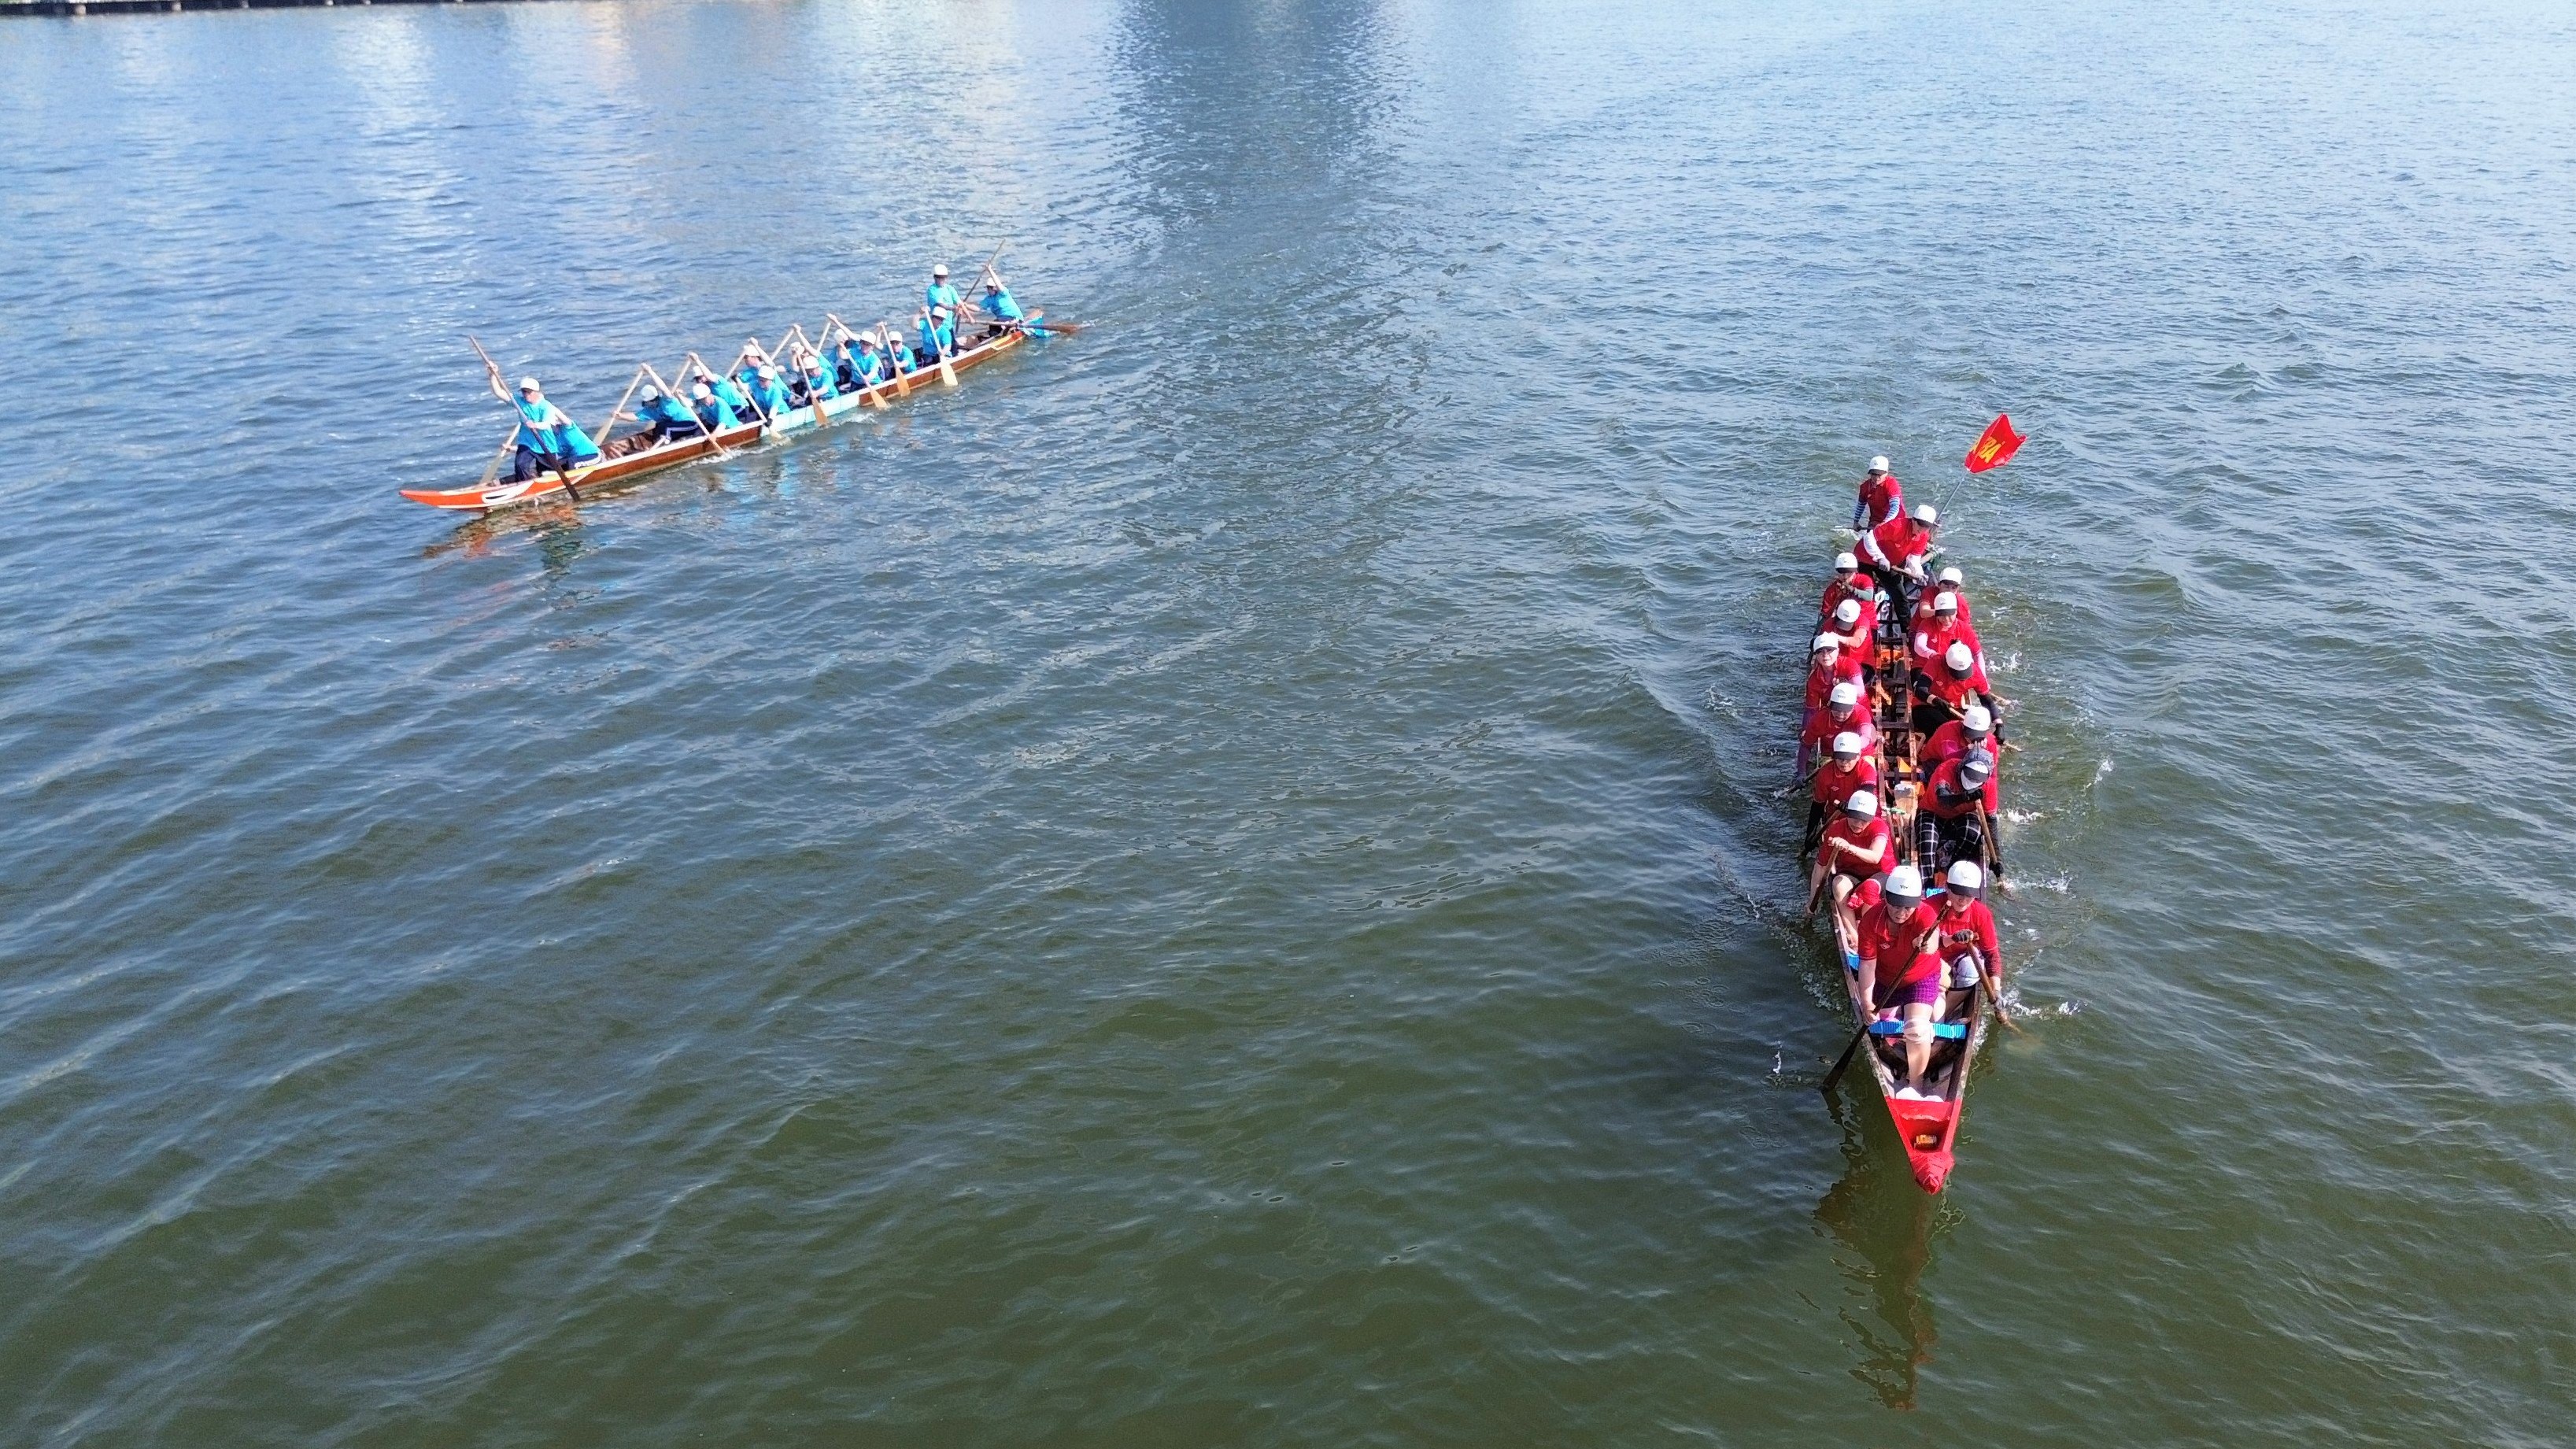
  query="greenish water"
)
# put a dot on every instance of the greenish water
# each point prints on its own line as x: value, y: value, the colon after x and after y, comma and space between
x: 1220, y: 884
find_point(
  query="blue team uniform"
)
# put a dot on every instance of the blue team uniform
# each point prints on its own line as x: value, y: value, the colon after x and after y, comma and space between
x: 675, y: 420
x: 940, y: 294
x: 1001, y: 306
x: 937, y: 338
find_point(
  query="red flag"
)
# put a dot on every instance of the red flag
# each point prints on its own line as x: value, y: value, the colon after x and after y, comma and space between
x: 1995, y: 446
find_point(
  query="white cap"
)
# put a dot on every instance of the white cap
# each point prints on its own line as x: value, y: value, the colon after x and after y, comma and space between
x: 1847, y: 612
x: 1845, y: 693
x: 1847, y: 743
x: 702, y: 390
x: 1905, y: 880
x: 1978, y: 763
x: 650, y: 394
x: 1978, y: 720
x: 529, y: 384
x: 1926, y: 513
x: 1846, y: 561
x: 1878, y: 464
x: 939, y: 311
x: 1824, y: 642
x: 1862, y: 803
x: 1959, y: 658
x: 768, y: 371
x: 1964, y: 875
x: 1945, y: 602
x: 1952, y: 577
x: 939, y: 270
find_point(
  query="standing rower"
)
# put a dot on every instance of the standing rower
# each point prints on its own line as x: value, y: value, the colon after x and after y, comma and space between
x: 939, y: 293
x: 1881, y: 497
x: 1895, y: 551
x: 1001, y: 310
x: 548, y: 441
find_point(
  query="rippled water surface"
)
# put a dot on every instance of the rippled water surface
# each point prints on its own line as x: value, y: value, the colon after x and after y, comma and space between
x: 1221, y: 884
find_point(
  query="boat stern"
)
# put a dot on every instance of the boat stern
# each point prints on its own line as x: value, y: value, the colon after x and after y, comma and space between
x: 1927, y: 1129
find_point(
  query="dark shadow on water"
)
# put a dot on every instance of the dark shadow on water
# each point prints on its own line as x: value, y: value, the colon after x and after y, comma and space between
x: 1883, y: 1224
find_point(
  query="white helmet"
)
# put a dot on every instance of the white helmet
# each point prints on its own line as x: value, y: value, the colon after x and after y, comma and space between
x: 1845, y: 693
x: 1952, y: 578
x: 1846, y: 562
x: 1905, y: 881
x: 1958, y: 659
x: 1945, y: 602
x: 1847, y: 743
x: 1847, y: 613
x: 529, y: 384
x: 1823, y: 643
x: 1964, y: 875
x: 1978, y: 719
x: 1862, y: 803
x: 1926, y: 514
x: 1878, y: 464
x: 940, y: 270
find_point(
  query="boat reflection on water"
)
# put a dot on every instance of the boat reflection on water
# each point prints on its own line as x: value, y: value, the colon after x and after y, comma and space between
x: 1883, y: 1224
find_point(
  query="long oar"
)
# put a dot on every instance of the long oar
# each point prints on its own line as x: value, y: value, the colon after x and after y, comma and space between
x: 1843, y: 1063
x: 556, y: 459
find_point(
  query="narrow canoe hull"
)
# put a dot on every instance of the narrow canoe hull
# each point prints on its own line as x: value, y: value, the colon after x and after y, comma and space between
x: 1928, y: 1128
x: 508, y: 494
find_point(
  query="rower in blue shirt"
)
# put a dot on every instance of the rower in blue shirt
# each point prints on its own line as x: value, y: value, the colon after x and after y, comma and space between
x: 714, y: 414
x: 1001, y: 310
x: 938, y: 334
x: 548, y: 441
x: 866, y: 366
x: 769, y: 392
x: 664, y: 420
x: 939, y: 293
x: 812, y: 377
x: 746, y: 374
x: 898, y: 354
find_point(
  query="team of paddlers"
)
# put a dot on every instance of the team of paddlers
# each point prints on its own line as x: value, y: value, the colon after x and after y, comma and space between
x: 1919, y: 952
x: 759, y: 386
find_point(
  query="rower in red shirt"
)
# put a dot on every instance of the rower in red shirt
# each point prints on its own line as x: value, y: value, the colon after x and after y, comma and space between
x: 1936, y: 623
x: 1967, y: 934
x: 1895, y: 551
x: 1881, y: 497
x: 1945, y: 687
x: 1835, y: 778
x: 1900, y: 974
x: 1959, y: 798
x: 1855, y: 850
x: 1954, y: 582
x: 1856, y: 625
x: 1843, y: 711
x: 1848, y: 583
x: 1972, y: 730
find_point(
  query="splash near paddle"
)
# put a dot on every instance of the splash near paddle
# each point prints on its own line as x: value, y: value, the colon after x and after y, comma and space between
x: 1996, y: 445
